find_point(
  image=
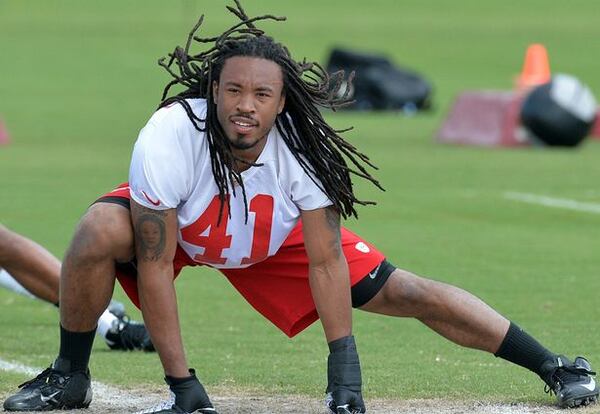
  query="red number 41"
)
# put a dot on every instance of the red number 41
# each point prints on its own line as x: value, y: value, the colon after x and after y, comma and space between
x: 217, y: 238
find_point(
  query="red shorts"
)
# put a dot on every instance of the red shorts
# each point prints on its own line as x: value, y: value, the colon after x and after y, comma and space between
x: 277, y: 287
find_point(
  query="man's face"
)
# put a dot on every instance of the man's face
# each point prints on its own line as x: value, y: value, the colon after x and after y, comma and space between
x: 249, y: 96
x: 151, y: 234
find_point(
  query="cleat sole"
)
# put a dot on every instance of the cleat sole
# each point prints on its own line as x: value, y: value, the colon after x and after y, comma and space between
x: 581, y: 401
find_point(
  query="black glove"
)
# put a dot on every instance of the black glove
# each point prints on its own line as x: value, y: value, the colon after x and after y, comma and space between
x: 344, y: 381
x: 190, y: 395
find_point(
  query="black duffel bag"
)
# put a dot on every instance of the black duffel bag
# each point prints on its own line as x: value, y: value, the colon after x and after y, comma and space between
x: 379, y: 85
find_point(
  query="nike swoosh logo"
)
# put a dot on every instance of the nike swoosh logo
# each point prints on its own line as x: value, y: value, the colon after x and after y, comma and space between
x: 156, y: 203
x: 120, y: 189
x: 373, y: 274
x: 345, y: 408
x: 590, y: 385
x: 49, y: 397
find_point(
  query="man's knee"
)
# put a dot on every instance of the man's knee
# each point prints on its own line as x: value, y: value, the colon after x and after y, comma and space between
x: 104, y: 231
x: 407, y: 293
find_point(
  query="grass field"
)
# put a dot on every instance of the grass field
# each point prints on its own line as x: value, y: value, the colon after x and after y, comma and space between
x: 79, y: 79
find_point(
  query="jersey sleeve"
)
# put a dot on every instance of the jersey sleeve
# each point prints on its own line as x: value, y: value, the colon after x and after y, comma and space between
x: 162, y: 164
x: 305, y: 189
x: 306, y: 193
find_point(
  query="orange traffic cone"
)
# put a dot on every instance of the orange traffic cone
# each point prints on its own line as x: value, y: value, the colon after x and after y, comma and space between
x: 536, y: 69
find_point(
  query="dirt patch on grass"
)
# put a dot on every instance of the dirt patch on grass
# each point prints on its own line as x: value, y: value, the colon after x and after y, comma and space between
x: 111, y: 400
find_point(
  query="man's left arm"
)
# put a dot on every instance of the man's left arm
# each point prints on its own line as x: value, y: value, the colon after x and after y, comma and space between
x: 328, y: 271
x: 330, y: 286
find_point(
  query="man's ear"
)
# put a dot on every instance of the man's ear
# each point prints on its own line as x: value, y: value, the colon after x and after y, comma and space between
x: 281, y: 103
x: 215, y: 90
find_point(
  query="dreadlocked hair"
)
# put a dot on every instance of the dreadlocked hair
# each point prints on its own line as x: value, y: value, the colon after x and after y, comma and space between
x: 319, y: 148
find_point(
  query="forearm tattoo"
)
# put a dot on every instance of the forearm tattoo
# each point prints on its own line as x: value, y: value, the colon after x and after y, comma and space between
x: 333, y: 221
x: 150, y: 233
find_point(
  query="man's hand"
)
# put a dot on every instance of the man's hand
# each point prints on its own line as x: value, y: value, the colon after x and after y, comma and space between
x: 190, y: 395
x: 344, y: 381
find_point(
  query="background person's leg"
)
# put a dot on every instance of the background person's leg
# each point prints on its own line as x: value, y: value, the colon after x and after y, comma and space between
x: 38, y: 276
x: 32, y: 266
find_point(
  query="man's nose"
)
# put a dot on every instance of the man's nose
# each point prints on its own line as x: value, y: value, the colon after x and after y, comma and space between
x: 246, y: 103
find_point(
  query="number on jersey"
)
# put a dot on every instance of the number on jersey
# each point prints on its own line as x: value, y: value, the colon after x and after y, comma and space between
x: 205, y: 232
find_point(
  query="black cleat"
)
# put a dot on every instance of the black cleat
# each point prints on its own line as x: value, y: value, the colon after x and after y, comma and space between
x: 169, y: 407
x: 572, y: 382
x: 128, y: 335
x: 52, y: 390
x: 333, y: 408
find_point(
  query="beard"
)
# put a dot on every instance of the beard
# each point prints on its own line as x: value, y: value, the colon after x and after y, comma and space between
x: 240, y: 143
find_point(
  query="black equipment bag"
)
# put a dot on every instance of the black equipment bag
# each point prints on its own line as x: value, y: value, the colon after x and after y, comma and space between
x: 379, y: 85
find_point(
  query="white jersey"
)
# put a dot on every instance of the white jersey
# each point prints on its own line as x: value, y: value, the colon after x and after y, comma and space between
x: 171, y: 168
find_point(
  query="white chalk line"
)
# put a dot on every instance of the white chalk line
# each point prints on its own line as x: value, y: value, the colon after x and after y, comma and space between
x: 554, y: 202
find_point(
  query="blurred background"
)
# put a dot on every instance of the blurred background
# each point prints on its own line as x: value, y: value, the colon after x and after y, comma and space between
x: 78, y: 80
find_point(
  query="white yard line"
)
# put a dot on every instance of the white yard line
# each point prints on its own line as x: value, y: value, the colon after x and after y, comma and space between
x: 19, y: 368
x: 98, y: 387
x: 564, y: 203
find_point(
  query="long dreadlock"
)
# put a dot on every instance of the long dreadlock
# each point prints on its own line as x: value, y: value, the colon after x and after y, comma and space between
x: 318, y: 147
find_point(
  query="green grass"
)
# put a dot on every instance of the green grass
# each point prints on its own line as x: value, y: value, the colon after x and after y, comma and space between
x: 78, y: 80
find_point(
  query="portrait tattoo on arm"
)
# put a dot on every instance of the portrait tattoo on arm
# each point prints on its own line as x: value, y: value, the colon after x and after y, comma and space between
x: 150, y: 233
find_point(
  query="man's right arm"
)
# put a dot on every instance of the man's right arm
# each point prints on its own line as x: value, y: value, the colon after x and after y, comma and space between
x: 155, y: 244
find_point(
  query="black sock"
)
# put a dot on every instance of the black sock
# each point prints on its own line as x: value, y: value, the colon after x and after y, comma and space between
x: 75, y: 350
x: 522, y: 349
